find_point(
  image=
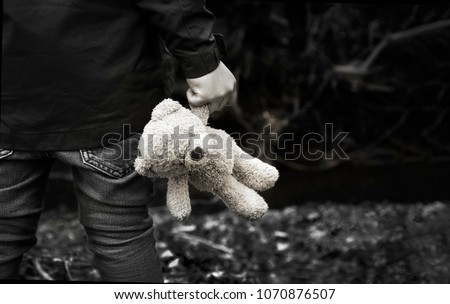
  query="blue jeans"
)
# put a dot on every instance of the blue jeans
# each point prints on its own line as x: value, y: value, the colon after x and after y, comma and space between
x: 113, y: 205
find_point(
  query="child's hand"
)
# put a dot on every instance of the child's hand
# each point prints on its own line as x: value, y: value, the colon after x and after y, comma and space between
x: 217, y: 88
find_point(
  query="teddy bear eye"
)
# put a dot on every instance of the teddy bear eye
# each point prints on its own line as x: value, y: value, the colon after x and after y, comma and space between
x: 197, y: 153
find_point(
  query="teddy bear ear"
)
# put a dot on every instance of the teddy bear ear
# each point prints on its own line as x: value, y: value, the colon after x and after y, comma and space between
x: 164, y: 108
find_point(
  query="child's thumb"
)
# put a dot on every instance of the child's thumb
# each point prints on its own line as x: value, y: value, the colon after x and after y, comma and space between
x: 195, y: 99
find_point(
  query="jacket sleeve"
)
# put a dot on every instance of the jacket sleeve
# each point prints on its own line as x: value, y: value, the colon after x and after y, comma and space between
x: 186, y: 28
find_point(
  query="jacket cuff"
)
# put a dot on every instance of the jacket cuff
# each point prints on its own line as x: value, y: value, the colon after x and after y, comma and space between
x: 198, y: 63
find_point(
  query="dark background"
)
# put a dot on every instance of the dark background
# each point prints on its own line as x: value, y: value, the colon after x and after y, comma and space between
x: 379, y: 72
x: 302, y: 65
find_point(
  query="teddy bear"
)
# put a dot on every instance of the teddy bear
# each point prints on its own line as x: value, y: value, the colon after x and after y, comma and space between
x: 178, y: 145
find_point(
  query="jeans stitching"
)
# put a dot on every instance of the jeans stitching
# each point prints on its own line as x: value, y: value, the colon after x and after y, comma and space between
x: 93, y: 161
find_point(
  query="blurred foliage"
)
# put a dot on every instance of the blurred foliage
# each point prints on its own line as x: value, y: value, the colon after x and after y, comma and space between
x: 301, y: 65
x: 314, y: 243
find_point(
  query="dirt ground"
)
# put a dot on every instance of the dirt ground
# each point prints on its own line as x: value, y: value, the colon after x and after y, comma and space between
x: 316, y: 242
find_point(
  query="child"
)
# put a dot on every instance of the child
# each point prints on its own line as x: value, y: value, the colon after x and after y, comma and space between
x: 73, y: 73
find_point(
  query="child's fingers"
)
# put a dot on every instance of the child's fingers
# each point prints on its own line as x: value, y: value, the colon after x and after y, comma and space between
x: 223, y: 103
x: 213, y: 106
x: 195, y: 99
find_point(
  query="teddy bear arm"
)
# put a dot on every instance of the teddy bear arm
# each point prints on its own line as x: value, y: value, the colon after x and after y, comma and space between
x: 253, y: 172
x: 178, y: 200
x: 241, y: 199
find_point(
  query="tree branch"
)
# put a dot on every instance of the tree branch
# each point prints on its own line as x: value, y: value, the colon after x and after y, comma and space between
x: 205, y: 242
x: 363, y: 68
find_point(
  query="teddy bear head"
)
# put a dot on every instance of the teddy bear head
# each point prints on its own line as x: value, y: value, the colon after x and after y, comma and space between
x: 166, y: 140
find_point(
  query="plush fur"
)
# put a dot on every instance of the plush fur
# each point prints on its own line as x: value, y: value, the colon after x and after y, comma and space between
x: 178, y: 145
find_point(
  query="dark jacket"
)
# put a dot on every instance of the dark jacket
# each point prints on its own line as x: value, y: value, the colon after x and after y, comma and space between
x: 75, y: 70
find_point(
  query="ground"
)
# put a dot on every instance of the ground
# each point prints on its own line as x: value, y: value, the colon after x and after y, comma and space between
x: 315, y: 242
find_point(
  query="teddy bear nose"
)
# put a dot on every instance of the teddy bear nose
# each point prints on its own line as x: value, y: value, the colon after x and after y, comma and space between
x: 197, y: 153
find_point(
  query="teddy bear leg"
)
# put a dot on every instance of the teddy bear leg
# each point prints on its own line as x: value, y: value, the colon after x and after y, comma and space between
x: 253, y: 172
x: 240, y: 199
x: 178, y: 200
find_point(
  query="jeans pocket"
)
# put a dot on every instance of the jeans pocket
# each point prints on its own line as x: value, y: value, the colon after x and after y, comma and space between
x: 5, y: 153
x: 116, y: 160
